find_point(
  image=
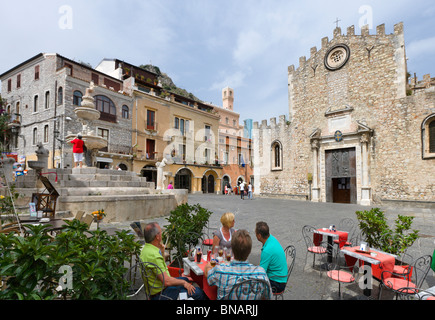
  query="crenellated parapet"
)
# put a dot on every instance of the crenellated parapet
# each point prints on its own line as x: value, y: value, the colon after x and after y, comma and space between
x: 338, y: 36
x: 282, y: 123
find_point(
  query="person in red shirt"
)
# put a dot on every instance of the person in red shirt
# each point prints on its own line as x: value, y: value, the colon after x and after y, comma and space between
x: 78, y: 151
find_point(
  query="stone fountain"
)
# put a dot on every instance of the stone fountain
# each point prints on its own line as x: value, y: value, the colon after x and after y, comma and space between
x: 123, y: 195
x: 87, y: 114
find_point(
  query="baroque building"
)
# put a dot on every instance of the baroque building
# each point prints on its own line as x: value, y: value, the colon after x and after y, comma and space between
x: 172, y: 128
x: 359, y: 130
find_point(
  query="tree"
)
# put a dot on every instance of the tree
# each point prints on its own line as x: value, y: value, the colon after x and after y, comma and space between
x: 4, y: 130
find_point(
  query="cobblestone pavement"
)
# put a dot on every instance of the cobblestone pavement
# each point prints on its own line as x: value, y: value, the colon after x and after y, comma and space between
x: 286, y: 219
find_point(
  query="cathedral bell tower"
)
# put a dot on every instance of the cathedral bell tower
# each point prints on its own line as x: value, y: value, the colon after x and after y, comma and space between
x: 228, y: 98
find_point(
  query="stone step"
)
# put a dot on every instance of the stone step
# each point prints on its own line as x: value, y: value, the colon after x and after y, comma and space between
x: 102, y: 177
x: 99, y: 183
x: 104, y: 191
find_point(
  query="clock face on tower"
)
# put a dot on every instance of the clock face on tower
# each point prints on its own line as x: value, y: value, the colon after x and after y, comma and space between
x: 336, y: 57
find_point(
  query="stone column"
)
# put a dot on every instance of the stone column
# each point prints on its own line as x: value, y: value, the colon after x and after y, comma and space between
x: 365, y: 188
x: 315, y: 190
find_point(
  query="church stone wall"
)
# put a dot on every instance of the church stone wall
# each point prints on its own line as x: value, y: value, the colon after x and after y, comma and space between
x: 365, y: 99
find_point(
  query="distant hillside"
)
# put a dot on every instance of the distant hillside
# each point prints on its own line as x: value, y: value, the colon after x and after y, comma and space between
x: 168, y: 84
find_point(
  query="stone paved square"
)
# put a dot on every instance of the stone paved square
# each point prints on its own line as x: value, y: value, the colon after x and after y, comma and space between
x: 286, y: 219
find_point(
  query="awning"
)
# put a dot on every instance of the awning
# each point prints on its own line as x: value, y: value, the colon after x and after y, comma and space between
x: 107, y: 160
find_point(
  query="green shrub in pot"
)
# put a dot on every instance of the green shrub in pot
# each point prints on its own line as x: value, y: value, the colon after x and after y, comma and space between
x: 378, y: 234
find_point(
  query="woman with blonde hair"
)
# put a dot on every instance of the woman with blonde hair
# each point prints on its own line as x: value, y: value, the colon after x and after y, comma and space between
x: 222, y: 237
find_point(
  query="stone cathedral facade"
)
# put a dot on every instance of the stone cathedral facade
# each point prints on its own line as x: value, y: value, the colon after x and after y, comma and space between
x: 359, y: 129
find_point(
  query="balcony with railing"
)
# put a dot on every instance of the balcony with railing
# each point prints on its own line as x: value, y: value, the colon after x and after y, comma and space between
x: 152, y: 126
x: 14, y: 122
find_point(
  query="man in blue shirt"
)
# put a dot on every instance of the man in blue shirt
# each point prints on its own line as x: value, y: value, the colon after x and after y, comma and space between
x: 273, y: 258
x: 226, y: 276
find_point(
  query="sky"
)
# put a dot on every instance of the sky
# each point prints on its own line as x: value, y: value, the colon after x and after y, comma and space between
x: 207, y: 45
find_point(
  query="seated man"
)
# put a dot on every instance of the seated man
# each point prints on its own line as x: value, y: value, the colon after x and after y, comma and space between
x: 153, y: 251
x: 225, y: 276
x: 273, y: 258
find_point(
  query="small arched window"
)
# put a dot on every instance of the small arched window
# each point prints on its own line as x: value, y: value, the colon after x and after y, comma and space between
x: 46, y: 133
x: 35, y: 136
x: 60, y: 96
x: 428, y: 137
x: 125, y: 112
x: 276, y: 155
x: 77, y: 98
x: 431, y: 130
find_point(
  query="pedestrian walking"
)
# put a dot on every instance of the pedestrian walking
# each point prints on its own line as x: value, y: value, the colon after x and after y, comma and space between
x: 250, y: 190
x: 242, y: 190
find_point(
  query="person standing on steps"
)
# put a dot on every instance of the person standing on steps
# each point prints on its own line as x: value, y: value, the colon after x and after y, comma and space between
x: 78, y: 145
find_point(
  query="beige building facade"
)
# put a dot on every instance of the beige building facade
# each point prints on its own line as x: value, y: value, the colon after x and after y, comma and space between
x: 171, y: 127
x: 358, y: 130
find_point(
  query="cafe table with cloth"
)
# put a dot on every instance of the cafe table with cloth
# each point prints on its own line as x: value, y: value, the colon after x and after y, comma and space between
x: 378, y: 260
x: 197, y: 275
x: 331, y: 234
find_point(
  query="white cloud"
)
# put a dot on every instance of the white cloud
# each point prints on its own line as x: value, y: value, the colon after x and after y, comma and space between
x: 250, y: 44
x: 233, y: 80
x: 420, y: 47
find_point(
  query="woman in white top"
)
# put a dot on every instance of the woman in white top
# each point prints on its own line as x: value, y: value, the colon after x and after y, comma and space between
x: 222, y: 237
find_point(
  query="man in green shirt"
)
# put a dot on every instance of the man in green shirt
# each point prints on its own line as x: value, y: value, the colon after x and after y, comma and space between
x: 273, y: 258
x: 154, y: 251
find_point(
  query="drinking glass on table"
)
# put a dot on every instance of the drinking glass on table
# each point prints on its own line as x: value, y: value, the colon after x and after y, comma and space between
x: 228, y: 254
x: 221, y: 251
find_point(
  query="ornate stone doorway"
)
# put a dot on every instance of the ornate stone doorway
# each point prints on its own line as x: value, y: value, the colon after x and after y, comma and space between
x: 340, y: 178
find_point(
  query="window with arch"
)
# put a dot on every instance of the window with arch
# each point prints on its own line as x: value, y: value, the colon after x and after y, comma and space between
x: 35, y: 136
x: 106, y: 107
x: 104, y: 104
x: 35, y: 103
x: 46, y: 133
x: 276, y: 155
x: 428, y: 137
x: 47, y: 100
x: 60, y: 96
x: 125, y: 112
x: 77, y: 98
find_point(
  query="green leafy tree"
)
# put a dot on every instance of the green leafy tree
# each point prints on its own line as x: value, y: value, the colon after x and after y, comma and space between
x: 4, y: 131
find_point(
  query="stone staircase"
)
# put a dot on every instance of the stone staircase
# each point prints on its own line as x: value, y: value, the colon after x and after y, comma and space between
x: 123, y: 195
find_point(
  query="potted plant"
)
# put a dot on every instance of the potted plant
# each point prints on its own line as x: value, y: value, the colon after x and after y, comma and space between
x: 374, y: 226
x: 98, y: 216
x: 184, y: 220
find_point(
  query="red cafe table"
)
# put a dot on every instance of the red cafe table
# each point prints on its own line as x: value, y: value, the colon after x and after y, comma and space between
x: 378, y: 260
x: 198, y: 276
x: 318, y: 236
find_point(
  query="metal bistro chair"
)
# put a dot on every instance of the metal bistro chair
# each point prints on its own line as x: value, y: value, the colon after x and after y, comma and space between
x: 320, y: 249
x: 411, y: 293
x: 349, y: 225
x: 250, y: 289
x: 135, y: 290
x: 413, y: 278
x: 404, y: 260
x: 340, y: 272
x: 150, y: 273
x: 208, y: 236
x: 290, y: 254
